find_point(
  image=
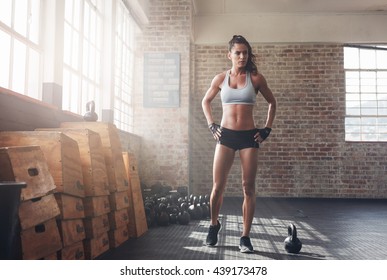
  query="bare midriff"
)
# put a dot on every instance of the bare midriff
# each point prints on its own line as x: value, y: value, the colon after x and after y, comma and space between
x: 238, y: 117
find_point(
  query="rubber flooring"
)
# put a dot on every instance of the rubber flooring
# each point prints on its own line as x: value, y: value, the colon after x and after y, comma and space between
x: 329, y: 229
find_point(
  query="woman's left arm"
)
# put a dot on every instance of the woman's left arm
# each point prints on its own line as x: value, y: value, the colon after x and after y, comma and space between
x: 260, y: 83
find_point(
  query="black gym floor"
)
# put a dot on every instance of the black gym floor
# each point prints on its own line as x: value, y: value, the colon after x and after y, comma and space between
x: 329, y: 229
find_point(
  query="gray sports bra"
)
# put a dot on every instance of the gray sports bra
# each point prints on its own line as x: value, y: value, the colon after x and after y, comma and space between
x: 245, y: 95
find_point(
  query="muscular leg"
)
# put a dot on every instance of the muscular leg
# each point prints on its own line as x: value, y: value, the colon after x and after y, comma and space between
x: 223, y: 160
x: 249, y: 163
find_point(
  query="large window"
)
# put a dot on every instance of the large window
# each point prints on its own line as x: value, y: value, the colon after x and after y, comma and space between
x: 90, y: 30
x: 20, y: 55
x: 123, y: 72
x: 366, y: 93
x: 82, y: 54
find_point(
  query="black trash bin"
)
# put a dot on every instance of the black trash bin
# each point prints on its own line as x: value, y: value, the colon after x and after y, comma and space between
x: 9, y: 220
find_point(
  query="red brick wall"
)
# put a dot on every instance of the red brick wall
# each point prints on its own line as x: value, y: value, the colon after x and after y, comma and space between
x: 306, y: 155
x: 164, y: 131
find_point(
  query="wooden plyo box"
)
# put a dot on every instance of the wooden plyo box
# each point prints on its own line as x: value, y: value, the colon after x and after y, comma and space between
x: 119, y: 200
x: 119, y: 218
x: 71, y: 207
x: 73, y: 252
x: 137, y: 220
x: 131, y: 164
x: 71, y: 231
x: 95, y: 178
x: 61, y: 153
x: 96, y: 205
x: 40, y: 241
x: 96, y: 246
x: 111, y: 146
x: 118, y: 236
x: 36, y: 211
x: 26, y: 164
x: 95, y: 226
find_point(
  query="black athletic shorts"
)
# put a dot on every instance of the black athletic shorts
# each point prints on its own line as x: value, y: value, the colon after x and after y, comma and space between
x: 238, y: 139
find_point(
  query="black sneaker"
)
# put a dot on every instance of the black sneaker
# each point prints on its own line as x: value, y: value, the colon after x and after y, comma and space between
x: 212, y: 237
x: 245, y: 245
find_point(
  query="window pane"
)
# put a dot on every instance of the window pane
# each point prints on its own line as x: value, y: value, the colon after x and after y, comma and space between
x: 86, y: 21
x: 67, y: 44
x: 351, y: 58
x: 6, y: 12
x: 34, y: 21
x: 5, y: 42
x: 85, y: 55
x: 75, y: 50
x: 33, y: 74
x: 76, y: 14
x: 383, y: 110
x: 19, y: 66
x: 352, y: 96
x: 21, y: 15
x: 66, y: 90
x: 74, y: 93
x: 381, y: 60
x: 69, y: 11
x: 367, y: 59
x: 368, y: 81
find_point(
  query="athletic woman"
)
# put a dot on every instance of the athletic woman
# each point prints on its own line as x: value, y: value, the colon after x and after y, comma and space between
x: 238, y: 88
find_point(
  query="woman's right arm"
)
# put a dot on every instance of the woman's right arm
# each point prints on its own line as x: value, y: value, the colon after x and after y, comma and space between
x: 209, y: 96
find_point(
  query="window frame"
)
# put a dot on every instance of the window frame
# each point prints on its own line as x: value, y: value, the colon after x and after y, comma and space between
x: 366, y: 94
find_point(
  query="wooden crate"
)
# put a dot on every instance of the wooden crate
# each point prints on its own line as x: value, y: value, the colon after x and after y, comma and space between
x: 118, y: 236
x: 119, y: 218
x: 26, y: 164
x: 40, y: 241
x: 61, y: 153
x: 36, y: 211
x: 96, y: 246
x: 119, y: 200
x: 95, y: 178
x: 96, y: 205
x: 71, y: 207
x: 118, y: 180
x: 95, y: 226
x: 137, y: 219
x: 131, y: 164
x: 108, y: 132
x: 73, y: 252
x: 71, y: 231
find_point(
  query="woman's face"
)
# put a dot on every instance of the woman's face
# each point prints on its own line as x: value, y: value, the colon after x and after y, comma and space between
x: 239, y: 55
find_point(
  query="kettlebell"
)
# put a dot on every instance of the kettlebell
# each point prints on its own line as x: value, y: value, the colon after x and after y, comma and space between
x: 163, y: 217
x: 183, y: 217
x: 91, y: 115
x: 292, y: 243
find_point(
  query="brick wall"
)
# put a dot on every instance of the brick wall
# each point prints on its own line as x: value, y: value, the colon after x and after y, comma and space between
x: 306, y: 155
x: 164, y: 131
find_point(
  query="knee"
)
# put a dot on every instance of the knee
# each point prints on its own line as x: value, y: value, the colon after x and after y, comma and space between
x: 217, y: 192
x: 248, y: 188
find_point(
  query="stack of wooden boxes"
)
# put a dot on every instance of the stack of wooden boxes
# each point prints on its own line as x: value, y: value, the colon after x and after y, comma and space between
x: 79, y: 201
x: 36, y: 212
x: 117, y: 178
x: 96, y: 201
